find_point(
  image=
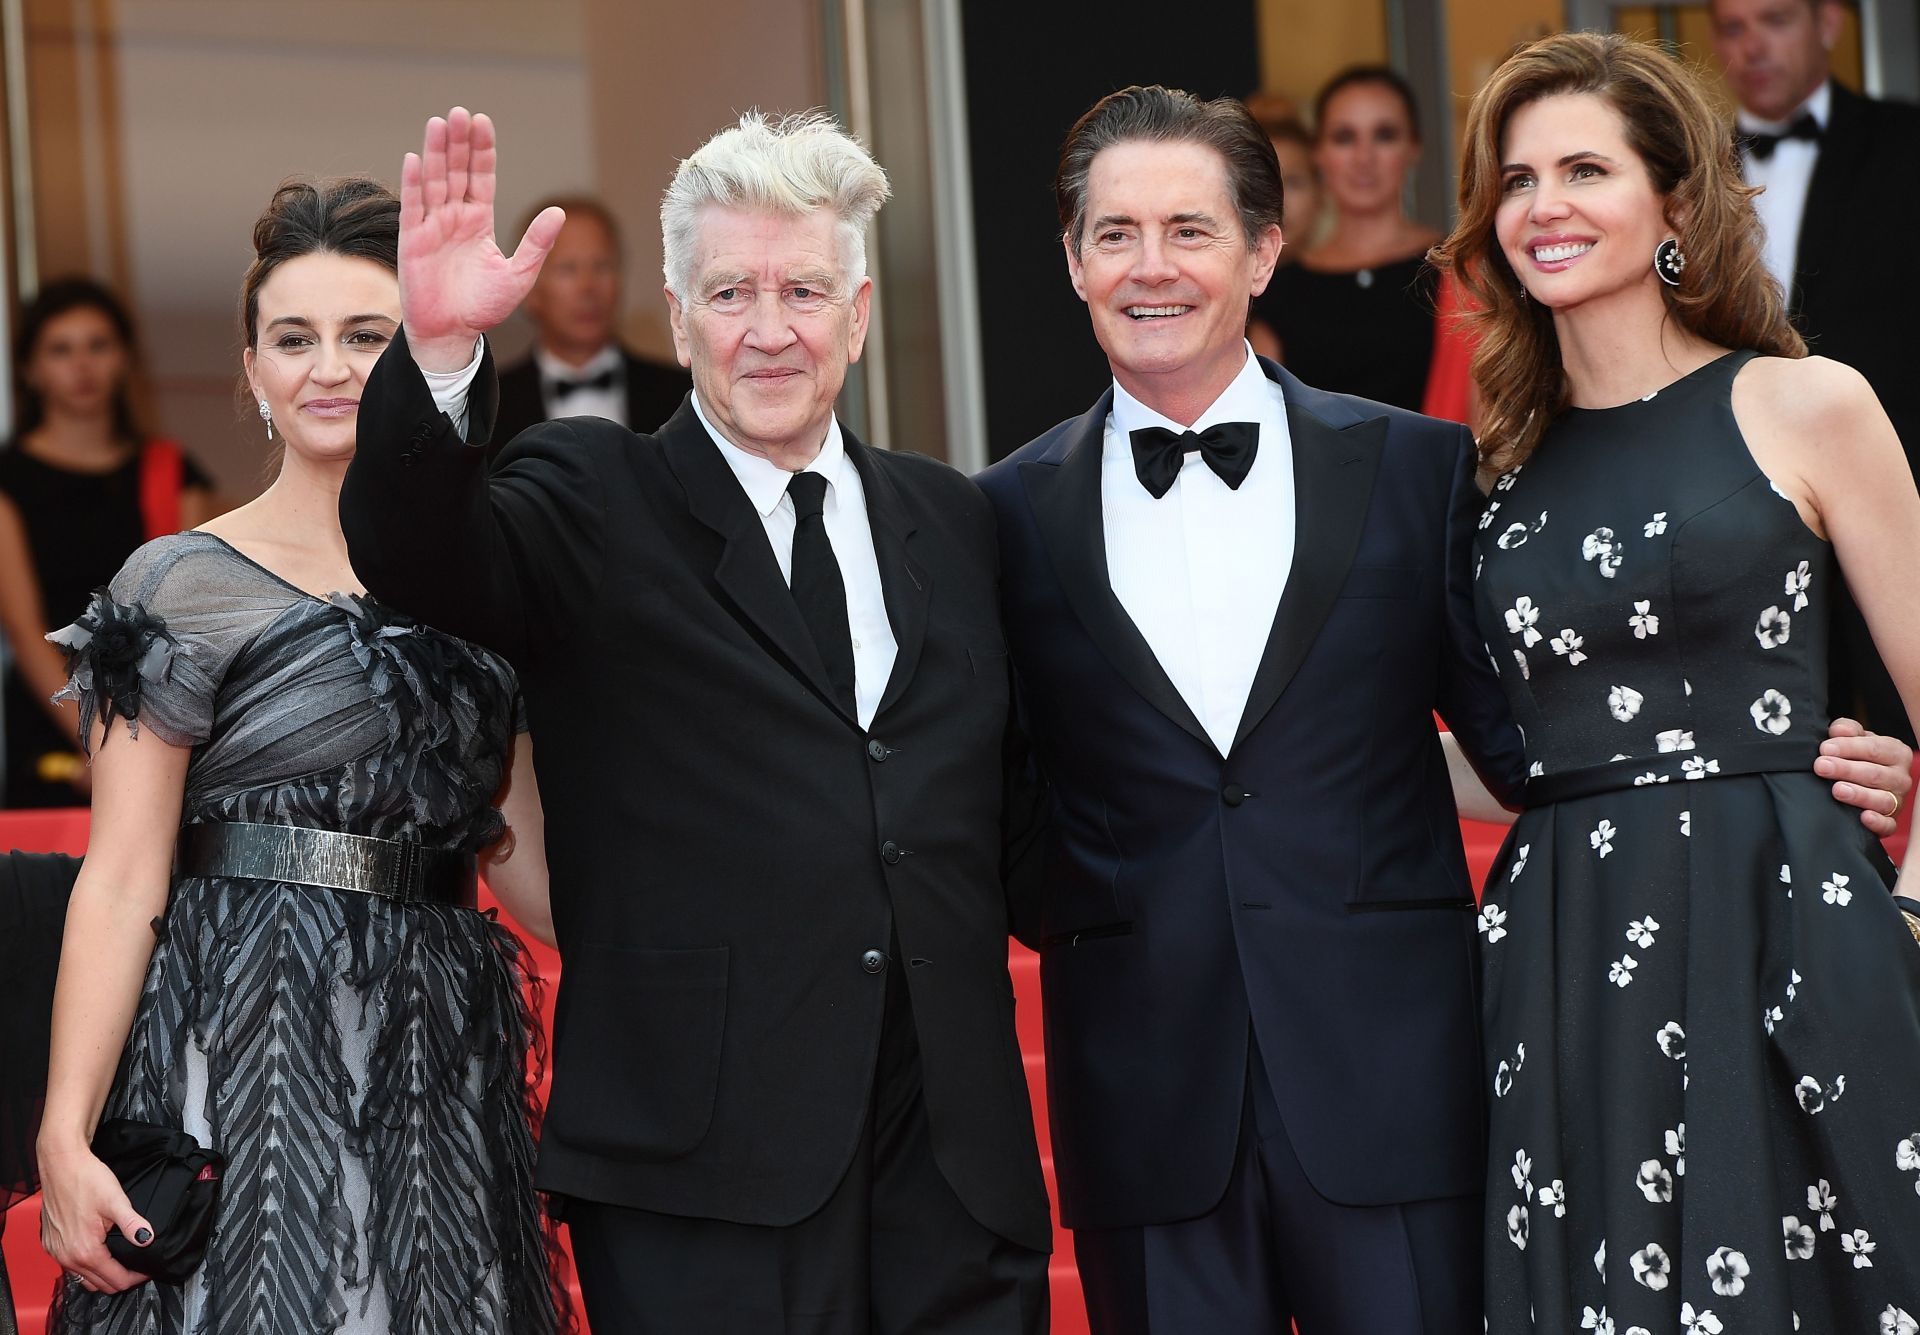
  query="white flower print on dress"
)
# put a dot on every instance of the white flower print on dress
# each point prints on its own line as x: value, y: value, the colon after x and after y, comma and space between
x: 1655, y: 1182
x: 1651, y: 1267
x: 1508, y: 478
x: 1503, y: 1078
x: 1517, y: 1226
x: 1799, y: 1238
x: 1772, y: 713
x: 1770, y: 1016
x: 1520, y: 621
x: 1643, y: 621
x: 1554, y: 1197
x: 1674, y: 739
x: 1672, y: 1040
x: 1601, y: 837
x: 1491, y: 916
x: 1860, y: 1247
x: 1515, y: 535
x: 1600, y: 1260
x: 1799, y: 580
x: 1676, y: 1140
x: 1522, y: 1171
x: 1906, y: 1155
x: 1526, y: 670
x: 1821, y: 1200
x: 1834, y: 890
x: 1698, y: 767
x: 1773, y: 629
x: 1655, y: 526
x: 1728, y: 1269
x: 1814, y: 1097
x: 1702, y: 1322
x: 1567, y: 643
x: 1623, y: 702
x: 1640, y: 931
x: 1895, y: 1321
x: 1486, y: 515
x: 1686, y: 823
x: 1596, y: 1321
x: 1601, y: 546
x: 1793, y: 983
x: 1519, y: 863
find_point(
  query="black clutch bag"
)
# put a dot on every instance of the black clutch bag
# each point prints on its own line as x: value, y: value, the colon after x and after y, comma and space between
x: 174, y: 1184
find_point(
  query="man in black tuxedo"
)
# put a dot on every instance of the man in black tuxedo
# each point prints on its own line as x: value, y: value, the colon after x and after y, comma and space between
x: 1833, y: 166
x: 1233, y: 603
x: 765, y: 667
x: 578, y: 366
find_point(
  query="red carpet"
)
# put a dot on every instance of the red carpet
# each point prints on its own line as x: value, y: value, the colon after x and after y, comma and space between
x: 65, y: 831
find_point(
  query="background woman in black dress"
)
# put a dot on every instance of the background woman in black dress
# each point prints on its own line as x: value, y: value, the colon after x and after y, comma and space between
x: 1355, y: 313
x: 71, y: 511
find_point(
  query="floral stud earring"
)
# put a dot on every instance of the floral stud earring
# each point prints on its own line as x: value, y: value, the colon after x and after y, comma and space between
x: 266, y: 415
x: 1669, y: 261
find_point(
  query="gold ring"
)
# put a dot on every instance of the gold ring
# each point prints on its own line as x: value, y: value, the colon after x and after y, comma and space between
x: 1896, y: 806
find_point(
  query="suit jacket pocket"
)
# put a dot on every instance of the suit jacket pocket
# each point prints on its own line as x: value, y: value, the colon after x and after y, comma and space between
x: 636, y: 1068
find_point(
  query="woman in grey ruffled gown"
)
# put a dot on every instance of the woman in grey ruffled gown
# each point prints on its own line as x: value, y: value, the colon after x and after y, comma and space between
x: 310, y: 992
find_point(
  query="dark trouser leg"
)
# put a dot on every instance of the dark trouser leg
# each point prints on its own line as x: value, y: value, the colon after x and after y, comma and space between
x: 1274, y: 1251
x: 934, y: 1267
x: 892, y: 1252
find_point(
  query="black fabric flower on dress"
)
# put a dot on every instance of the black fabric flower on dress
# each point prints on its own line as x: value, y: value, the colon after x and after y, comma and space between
x: 114, y: 651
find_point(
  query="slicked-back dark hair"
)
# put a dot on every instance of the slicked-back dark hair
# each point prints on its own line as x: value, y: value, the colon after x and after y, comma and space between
x: 55, y: 299
x: 1355, y: 76
x: 1160, y: 115
x: 345, y: 215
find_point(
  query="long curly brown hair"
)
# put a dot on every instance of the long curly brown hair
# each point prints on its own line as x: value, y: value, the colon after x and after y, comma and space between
x: 1726, y: 295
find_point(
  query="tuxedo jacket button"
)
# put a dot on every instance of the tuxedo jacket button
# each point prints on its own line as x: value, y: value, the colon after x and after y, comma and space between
x: 873, y: 961
x: 1233, y: 794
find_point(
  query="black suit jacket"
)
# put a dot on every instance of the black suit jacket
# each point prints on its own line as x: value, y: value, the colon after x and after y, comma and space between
x: 726, y: 844
x: 1310, y: 885
x: 654, y: 393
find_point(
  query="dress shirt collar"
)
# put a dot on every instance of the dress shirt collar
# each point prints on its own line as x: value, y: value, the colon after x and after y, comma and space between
x: 1249, y: 397
x: 1819, y: 106
x: 764, y: 481
x: 552, y: 368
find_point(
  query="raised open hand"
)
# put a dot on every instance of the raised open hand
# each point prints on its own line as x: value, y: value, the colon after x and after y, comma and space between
x: 454, y: 282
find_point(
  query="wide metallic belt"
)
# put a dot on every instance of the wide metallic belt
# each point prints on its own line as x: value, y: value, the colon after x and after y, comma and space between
x: 1673, y: 767
x: 391, y: 868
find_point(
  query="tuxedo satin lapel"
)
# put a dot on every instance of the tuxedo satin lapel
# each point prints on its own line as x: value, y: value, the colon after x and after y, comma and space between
x: 1066, y: 504
x: 1843, y: 151
x: 904, y: 582
x: 746, y: 572
x: 1333, y: 474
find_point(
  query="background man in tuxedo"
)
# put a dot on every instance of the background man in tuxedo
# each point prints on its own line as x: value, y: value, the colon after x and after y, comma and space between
x: 578, y: 366
x: 765, y: 668
x: 1835, y: 167
x: 1233, y: 604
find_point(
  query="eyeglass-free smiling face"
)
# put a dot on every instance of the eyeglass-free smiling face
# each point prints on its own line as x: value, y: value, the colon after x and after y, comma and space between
x: 324, y: 320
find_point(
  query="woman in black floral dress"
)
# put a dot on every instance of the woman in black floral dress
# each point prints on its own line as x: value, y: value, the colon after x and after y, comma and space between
x: 321, y: 1003
x: 1702, y: 1004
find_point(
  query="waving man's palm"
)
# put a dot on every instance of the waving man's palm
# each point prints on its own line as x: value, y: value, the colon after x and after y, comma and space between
x: 454, y: 282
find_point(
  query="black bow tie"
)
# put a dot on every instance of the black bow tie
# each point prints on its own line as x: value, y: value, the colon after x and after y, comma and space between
x: 562, y: 388
x: 1228, y: 448
x: 1761, y: 144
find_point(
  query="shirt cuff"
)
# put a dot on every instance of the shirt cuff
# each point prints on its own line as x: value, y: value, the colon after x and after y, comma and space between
x: 450, y: 389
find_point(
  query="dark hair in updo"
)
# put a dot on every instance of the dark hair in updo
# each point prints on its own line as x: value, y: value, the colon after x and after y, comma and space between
x: 60, y: 297
x: 345, y: 215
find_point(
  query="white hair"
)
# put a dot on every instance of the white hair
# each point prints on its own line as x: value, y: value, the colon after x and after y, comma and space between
x: 789, y: 166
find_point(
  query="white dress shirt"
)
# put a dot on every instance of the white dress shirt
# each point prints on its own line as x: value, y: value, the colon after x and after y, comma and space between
x: 610, y: 403
x: 1201, y: 569
x: 1785, y: 176
x: 765, y: 484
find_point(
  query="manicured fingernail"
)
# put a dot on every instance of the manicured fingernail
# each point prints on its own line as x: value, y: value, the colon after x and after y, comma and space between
x: 143, y: 1236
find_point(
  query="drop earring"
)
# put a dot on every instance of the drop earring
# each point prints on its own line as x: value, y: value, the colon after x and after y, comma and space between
x: 266, y: 415
x: 1669, y: 261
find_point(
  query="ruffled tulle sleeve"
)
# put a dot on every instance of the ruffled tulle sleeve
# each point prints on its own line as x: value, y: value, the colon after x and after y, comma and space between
x: 143, y: 653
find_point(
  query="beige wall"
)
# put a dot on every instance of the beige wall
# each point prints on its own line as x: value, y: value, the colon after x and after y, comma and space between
x: 1303, y: 43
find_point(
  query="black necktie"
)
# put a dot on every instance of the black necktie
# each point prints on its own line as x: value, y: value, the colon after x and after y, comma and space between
x: 1761, y: 144
x: 562, y: 388
x: 817, y: 585
x: 1228, y: 448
